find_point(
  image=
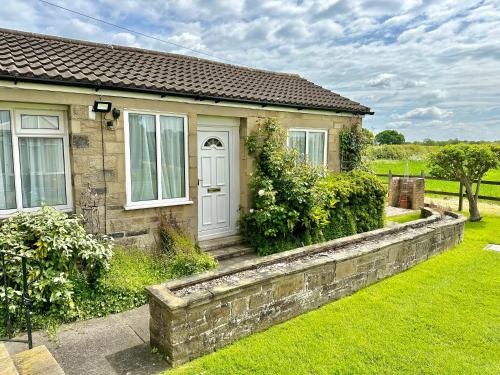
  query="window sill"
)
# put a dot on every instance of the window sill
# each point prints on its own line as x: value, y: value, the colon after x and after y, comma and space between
x: 142, y: 206
x: 5, y: 214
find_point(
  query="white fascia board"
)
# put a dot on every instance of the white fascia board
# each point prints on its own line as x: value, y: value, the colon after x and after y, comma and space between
x: 157, y: 97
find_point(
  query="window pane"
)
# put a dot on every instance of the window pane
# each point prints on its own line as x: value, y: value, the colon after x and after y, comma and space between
x: 316, y: 148
x: 172, y: 157
x: 43, y: 179
x: 7, y: 187
x: 39, y: 122
x: 297, y: 140
x: 143, y: 157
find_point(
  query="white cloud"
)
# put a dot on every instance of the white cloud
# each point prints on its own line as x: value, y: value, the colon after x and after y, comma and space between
x: 425, y: 113
x: 382, y: 80
x: 439, y: 94
x: 412, y: 61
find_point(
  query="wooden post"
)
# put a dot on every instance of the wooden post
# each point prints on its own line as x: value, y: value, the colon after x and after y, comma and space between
x: 461, y: 197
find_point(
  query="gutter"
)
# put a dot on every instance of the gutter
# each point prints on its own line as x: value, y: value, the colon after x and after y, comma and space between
x: 162, y: 94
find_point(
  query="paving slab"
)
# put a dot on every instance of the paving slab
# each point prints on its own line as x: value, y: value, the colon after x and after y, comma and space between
x: 395, y: 211
x: 492, y: 246
x: 116, y: 344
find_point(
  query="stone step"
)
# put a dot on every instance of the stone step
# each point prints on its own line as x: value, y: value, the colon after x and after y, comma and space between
x: 231, y: 252
x: 37, y: 361
x: 220, y: 243
x: 7, y: 366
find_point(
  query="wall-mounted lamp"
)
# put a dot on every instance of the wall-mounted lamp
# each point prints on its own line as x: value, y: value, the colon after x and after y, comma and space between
x: 101, y: 106
x: 111, y: 123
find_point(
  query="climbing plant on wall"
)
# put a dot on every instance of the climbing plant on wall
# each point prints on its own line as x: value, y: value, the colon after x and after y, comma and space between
x: 353, y: 142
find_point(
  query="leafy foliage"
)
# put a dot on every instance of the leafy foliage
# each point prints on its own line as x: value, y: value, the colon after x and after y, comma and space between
x: 390, y: 137
x: 179, y: 252
x: 466, y: 163
x: 60, y: 245
x: 353, y: 143
x: 296, y: 203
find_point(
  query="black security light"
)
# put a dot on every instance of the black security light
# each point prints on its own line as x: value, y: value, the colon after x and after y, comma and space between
x: 101, y: 106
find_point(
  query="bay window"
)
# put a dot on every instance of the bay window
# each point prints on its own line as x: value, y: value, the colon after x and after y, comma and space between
x: 34, y: 153
x: 311, y: 144
x: 156, y: 156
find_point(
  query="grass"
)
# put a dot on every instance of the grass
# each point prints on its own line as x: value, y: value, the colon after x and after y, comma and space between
x: 404, y: 218
x: 135, y: 268
x: 416, y: 166
x: 122, y: 287
x: 440, y: 317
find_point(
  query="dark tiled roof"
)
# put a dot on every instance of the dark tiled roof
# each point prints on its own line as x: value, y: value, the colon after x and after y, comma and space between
x: 26, y: 56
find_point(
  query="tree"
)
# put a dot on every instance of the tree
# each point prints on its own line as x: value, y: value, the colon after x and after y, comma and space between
x: 390, y: 137
x: 466, y: 163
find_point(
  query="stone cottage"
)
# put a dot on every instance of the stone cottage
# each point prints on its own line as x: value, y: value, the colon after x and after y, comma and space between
x: 148, y: 132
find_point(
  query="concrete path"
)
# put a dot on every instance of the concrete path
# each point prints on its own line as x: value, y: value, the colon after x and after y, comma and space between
x: 395, y: 211
x: 116, y: 344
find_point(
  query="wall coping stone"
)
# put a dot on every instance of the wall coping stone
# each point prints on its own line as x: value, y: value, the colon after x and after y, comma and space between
x: 164, y: 293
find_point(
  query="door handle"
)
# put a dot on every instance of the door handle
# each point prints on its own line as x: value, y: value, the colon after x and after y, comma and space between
x: 213, y: 190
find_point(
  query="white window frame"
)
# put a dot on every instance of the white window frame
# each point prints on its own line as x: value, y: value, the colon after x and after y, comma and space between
x: 18, y: 132
x: 130, y: 205
x: 307, y: 131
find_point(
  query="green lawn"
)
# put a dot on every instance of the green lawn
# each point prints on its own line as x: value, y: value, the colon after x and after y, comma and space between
x: 404, y: 218
x: 416, y: 166
x: 440, y: 317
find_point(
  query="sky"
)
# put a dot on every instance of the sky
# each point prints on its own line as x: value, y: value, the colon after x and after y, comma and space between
x: 427, y: 68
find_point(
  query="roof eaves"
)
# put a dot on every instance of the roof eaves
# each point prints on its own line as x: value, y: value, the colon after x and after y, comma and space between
x: 163, y: 93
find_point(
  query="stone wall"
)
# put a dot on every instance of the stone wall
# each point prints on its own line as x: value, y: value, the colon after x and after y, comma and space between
x: 196, y: 315
x: 88, y: 147
x: 415, y: 191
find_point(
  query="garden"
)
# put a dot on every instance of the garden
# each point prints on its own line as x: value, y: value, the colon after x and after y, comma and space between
x: 396, y: 158
x: 74, y: 275
x: 440, y: 317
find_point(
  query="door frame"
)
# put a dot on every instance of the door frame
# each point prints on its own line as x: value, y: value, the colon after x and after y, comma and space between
x: 234, y: 176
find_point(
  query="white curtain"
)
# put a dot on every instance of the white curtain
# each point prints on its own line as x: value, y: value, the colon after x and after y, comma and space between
x: 7, y: 187
x: 39, y: 122
x: 142, y: 134
x: 172, y: 157
x: 316, y: 148
x: 297, y: 140
x: 42, y: 171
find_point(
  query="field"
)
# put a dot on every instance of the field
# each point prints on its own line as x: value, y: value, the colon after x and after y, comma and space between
x: 440, y: 317
x: 416, y: 166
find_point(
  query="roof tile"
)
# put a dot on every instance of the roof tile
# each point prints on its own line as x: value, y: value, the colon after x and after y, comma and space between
x: 26, y: 55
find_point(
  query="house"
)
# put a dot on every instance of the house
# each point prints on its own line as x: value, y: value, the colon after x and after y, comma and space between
x: 148, y: 131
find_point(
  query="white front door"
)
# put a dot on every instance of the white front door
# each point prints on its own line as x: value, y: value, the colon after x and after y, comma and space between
x: 214, y: 177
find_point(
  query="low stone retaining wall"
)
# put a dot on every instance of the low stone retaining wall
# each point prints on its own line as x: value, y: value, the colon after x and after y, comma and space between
x: 196, y: 315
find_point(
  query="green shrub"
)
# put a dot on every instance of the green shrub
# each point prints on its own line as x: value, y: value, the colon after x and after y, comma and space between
x: 179, y: 252
x: 61, y: 246
x: 353, y: 143
x: 183, y: 264
x: 399, y: 152
x: 295, y: 203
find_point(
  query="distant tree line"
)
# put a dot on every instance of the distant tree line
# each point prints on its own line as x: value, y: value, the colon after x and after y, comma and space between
x: 454, y: 141
x: 393, y: 137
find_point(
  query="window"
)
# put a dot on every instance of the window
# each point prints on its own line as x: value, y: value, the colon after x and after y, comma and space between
x: 157, y: 173
x: 311, y: 144
x: 34, y: 153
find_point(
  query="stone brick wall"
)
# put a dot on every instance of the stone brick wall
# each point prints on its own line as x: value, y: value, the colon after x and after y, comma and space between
x: 415, y: 191
x: 197, y: 315
x: 87, y: 151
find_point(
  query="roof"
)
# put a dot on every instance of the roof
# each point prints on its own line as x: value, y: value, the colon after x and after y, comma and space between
x: 48, y: 59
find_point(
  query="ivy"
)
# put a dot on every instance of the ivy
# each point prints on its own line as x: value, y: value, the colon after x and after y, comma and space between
x: 353, y: 143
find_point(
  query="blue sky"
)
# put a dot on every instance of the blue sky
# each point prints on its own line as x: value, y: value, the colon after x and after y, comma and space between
x: 428, y: 68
